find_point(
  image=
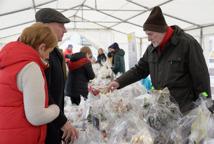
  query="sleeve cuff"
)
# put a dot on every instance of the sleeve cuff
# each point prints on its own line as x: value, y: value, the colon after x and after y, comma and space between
x: 204, y: 94
x: 60, y: 120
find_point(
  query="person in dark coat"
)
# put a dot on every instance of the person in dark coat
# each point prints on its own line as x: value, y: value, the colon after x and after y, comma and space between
x: 118, y: 62
x: 174, y: 59
x: 101, y: 58
x: 80, y: 72
x: 60, y: 129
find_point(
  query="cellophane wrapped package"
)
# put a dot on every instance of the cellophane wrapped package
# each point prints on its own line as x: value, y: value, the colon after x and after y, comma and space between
x: 201, y: 128
x: 162, y: 115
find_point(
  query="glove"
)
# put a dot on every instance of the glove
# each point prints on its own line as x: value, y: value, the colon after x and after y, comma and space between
x: 210, y: 105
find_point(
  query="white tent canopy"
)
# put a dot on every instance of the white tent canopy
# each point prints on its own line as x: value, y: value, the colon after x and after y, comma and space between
x: 123, y: 16
x: 103, y: 22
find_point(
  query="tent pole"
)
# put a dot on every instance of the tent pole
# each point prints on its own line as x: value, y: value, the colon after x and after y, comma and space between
x: 34, y: 5
x: 201, y: 36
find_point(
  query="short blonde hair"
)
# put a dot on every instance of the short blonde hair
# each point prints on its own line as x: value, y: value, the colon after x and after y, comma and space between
x: 37, y: 34
x: 86, y: 50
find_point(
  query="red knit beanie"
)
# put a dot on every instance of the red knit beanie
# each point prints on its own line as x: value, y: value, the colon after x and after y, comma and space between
x: 155, y: 22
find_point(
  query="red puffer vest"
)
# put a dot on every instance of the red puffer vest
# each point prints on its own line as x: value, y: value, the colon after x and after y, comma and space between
x: 14, y: 127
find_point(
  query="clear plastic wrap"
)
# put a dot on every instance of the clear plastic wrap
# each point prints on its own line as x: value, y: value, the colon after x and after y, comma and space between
x: 145, y: 134
x: 209, y: 141
x: 181, y: 132
x: 78, y: 114
x: 199, y: 128
x: 129, y: 129
x: 131, y: 116
x: 90, y: 136
x: 210, y: 129
x: 159, y: 113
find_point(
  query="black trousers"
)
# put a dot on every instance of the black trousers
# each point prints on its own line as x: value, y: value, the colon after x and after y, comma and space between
x: 54, y: 135
x: 75, y: 100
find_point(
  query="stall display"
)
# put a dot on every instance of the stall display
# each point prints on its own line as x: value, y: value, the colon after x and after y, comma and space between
x: 132, y: 116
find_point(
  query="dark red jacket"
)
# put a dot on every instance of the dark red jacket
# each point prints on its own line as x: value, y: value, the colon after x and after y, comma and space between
x: 67, y: 52
x: 14, y: 127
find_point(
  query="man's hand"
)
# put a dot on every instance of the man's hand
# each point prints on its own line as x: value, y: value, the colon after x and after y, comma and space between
x: 112, y: 86
x: 95, y: 92
x: 69, y: 132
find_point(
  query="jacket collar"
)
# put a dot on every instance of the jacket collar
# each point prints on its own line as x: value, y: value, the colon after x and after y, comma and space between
x: 174, y: 39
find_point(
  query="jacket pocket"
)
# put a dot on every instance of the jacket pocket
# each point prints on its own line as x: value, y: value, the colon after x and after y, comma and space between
x: 174, y: 61
x: 176, y: 64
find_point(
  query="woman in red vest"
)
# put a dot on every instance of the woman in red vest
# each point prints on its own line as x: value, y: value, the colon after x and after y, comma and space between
x: 23, y: 89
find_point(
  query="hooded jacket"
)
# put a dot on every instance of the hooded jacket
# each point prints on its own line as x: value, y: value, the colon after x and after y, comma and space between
x: 14, y: 126
x: 118, y: 63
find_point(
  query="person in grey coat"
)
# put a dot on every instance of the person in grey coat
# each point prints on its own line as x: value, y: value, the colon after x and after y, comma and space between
x: 118, y: 63
x: 174, y: 59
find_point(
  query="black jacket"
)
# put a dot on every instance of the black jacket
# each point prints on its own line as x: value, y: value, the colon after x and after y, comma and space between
x: 101, y: 58
x: 78, y: 79
x: 56, y: 82
x: 181, y: 67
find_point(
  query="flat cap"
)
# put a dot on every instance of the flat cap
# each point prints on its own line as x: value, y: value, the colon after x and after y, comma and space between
x: 48, y: 15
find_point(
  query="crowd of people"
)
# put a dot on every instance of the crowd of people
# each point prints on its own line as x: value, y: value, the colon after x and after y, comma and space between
x: 35, y: 75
